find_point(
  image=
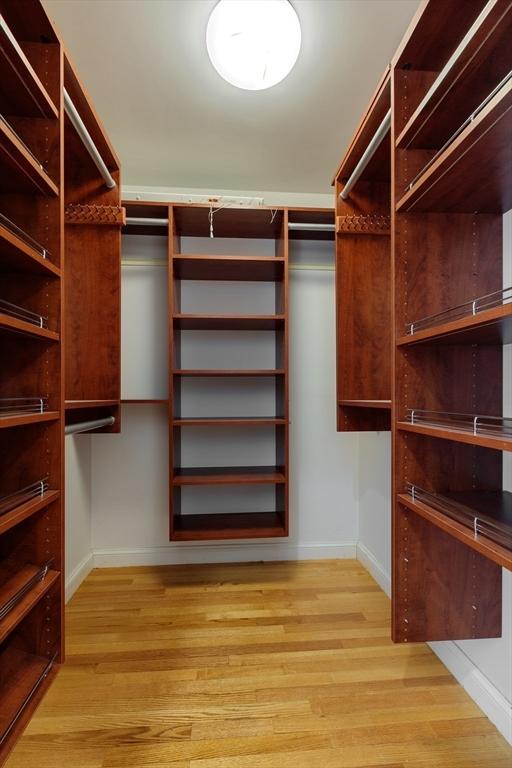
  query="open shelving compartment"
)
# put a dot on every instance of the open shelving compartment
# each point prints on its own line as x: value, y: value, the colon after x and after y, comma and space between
x: 93, y: 220
x: 31, y: 397
x: 234, y: 364
x: 452, y: 519
x: 363, y: 272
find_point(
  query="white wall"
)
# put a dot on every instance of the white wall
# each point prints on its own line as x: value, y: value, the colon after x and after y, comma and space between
x: 130, y: 470
x: 484, y: 667
x: 78, y: 511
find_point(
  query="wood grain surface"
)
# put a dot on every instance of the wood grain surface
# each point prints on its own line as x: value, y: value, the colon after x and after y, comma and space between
x: 260, y: 665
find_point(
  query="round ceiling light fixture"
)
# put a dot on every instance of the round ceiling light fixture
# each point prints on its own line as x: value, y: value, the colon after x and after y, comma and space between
x: 253, y: 44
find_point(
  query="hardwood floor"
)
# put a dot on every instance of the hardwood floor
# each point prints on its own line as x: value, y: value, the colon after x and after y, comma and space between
x: 275, y: 665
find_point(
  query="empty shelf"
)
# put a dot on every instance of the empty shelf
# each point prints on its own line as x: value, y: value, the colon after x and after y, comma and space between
x: 23, y: 687
x: 21, y: 90
x: 486, y: 320
x: 479, y: 153
x: 487, y: 431
x: 18, y: 507
x: 247, y: 525
x: 19, y: 170
x: 194, y: 322
x: 199, y: 267
x: 228, y: 475
x: 16, y: 319
x: 20, y: 253
x: 21, y: 593
x: 480, y: 519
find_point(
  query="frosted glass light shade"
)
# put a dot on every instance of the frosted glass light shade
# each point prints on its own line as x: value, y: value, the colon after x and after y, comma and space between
x: 253, y: 44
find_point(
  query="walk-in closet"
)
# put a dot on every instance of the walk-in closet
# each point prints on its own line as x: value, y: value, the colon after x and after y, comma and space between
x: 255, y: 383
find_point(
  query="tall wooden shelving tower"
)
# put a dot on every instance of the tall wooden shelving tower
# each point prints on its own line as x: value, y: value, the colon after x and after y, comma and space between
x: 452, y: 181
x: 193, y: 221
x: 363, y: 275
x: 31, y: 396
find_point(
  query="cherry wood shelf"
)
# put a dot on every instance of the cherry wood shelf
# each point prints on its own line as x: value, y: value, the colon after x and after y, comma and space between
x: 228, y: 373
x: 480, y: 543
x: 192, y: 220
x: 13, y: 324
x: 24, y: 95
x: 250, y: 268
x: 228, y: 476
x: 21, y: 609
x: 30, y: 418
x: 228, y: 421
x: 458, y: 435
x: 463, y: 85
x: 19, y: 171
x: 480, y: 153
x: 30, y: 678
x: 244, y: 525
x: 194, y: 322
x: 26, y: 510
x: 18, y: 256
x: 383, y: 404
x: 71, y: 405
x: 491, y: 326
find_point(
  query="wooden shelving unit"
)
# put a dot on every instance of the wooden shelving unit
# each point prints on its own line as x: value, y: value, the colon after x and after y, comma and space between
x: 93, y: 220
x: 193, y: 221
x: 31, y: 423
x: 363, y: 277
x: 452, y: 180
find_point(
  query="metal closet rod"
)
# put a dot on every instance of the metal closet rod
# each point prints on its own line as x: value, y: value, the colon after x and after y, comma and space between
x: 139, y: 221
x: 87, y: 141
x: 367, y: 155
x: 87, y: 426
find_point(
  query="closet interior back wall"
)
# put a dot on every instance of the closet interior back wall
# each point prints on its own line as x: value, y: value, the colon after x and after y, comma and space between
x: 323, y: 464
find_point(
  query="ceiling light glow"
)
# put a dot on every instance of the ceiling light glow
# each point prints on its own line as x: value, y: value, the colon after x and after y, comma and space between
x: 253, y: 44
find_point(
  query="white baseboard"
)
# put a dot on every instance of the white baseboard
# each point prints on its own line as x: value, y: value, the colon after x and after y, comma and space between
x: 481, y: 690
x: 195, y: 553
x: 77, y: 575
x: 485, y: 695
x: 373, y: 566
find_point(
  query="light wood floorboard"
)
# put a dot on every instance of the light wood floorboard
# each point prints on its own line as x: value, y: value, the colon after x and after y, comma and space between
x: 274, y: 665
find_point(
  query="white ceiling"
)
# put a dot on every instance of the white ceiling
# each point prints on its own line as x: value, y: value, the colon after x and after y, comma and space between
x: 173, y: 120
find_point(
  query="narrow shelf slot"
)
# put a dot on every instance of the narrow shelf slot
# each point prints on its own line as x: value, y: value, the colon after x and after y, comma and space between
x: 20, y: 171
x: 195, y: 322
x: 481, y: 519
x: 20, y: 320
x: 21, y: 591
x: 246, y: 525
x: 480, y: 60
x: 20, y: 252
x: 19, y: 506
x: 248, y: 268
x: 483, y: 143
x: 228, y: 475
x: 489, y: 431
x: 27, y: 673
x: 24, y: 95
x: 484, y: 319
